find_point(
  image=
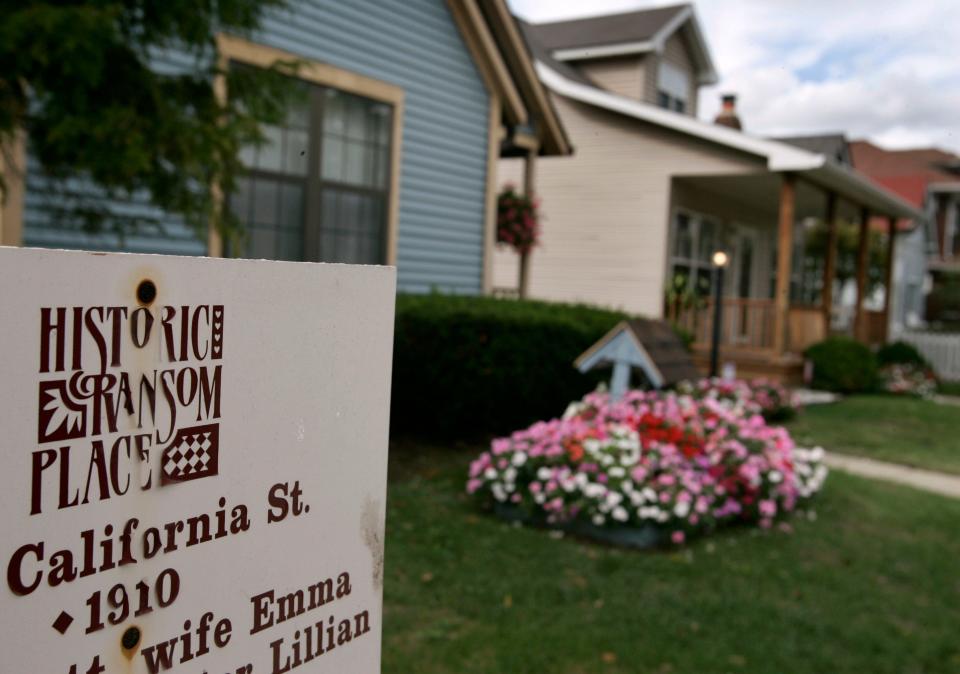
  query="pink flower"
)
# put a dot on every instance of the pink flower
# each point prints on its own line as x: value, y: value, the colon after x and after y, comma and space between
x: 678, y: 537
x: 706, y: 456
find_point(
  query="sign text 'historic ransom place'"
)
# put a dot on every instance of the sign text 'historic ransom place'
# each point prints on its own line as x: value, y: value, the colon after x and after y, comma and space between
x: 193, y: 464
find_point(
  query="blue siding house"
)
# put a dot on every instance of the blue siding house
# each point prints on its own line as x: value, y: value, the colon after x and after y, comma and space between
x: 390, y: 159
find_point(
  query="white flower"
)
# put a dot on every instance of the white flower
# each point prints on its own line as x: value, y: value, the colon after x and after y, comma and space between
x: 519, y: 458
x: 498, y: 492
x: 617, y: 471
x: 649, y: 494
x: 599, y: 520
x: 648, y: 513
x: 593, y: 490
x: 775, y: 476
x: 620, y: 514
x: 636, y: 498
x: 490, y: 473
x: 544, y: 473
x: 682, y: 509
x: 614, y: 498
x: 510, y: 474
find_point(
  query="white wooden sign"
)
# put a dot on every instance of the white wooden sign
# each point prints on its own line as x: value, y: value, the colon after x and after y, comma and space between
x: 193, y: 467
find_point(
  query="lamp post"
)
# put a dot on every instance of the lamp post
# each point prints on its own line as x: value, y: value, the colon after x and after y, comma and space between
x: 720, y: 260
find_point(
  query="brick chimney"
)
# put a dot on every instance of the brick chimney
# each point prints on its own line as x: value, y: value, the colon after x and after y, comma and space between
x: 728, y: 113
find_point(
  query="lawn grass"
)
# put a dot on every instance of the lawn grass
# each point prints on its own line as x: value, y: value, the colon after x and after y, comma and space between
x: 904, y: 430
x: 869, y: 586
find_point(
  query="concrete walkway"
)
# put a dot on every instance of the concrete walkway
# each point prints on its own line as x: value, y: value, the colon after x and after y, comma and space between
x: 927, y: 480
x: 947, y: 400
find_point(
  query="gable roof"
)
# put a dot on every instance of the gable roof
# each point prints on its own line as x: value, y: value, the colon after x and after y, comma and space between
x: 544, y: 55
x: 520, y: 60
x: 778, y: 156
x: 910, y: 173
x: 608, y: 29
x: 831, y: 145
x: 626, y: 33
x: 506, y: 64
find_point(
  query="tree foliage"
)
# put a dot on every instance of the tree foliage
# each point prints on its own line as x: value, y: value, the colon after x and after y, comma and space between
x: 848, y: 245
x: 81, y: 78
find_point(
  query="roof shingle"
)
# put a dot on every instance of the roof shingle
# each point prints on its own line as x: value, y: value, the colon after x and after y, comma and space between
x: 607, y: 29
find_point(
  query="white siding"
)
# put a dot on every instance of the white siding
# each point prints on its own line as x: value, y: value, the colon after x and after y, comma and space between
x: 623, y: 76
x: 606, y: 209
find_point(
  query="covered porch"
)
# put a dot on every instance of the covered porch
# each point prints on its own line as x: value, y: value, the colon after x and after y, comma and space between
x: 786, y: 285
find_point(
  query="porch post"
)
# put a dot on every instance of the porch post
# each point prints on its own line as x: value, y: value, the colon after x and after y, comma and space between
x: 830, y: 265
x: 859, y: 321
x: 888, y: 277
x: 529, y: 177
x: 788, y: 194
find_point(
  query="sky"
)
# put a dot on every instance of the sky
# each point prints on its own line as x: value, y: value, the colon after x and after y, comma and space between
x: 884, y: 70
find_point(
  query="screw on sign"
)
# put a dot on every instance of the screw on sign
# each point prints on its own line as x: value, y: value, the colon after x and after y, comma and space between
x: 191, y: 488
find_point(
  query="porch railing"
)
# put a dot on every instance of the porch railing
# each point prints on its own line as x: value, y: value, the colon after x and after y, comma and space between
x: 746, y: 323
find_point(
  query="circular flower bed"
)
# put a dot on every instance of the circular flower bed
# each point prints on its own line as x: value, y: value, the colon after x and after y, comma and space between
x: 651, y: 467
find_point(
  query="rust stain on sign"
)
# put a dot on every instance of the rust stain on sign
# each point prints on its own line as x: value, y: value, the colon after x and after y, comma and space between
x: 372, y: 532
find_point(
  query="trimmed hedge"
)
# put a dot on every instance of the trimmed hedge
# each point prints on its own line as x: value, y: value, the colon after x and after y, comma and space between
x: 901, y: 353
x: 843, y: 365
x: 468, y: 367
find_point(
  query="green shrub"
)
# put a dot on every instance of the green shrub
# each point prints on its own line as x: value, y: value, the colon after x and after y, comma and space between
x: 900, y: 353
x: 950, y: 388
x: 843, y: 365
x: 470, y: 367
x: 685, y: 336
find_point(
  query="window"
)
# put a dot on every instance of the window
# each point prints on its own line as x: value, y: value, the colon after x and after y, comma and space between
x: 318, y: 189
x: 952, y: 238
x: 695, y: 239
x: 673, y: 87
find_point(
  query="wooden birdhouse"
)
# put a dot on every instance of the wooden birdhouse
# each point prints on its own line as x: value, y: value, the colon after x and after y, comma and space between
x: 650, y: 346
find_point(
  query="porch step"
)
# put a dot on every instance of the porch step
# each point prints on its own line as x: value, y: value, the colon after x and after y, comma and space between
x: 751, y: 364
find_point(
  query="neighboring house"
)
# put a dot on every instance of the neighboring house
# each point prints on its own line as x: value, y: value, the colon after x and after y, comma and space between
x: 910, y: 266
x: 633, y: 218
x: 391, y: 159
x: 929, y: 179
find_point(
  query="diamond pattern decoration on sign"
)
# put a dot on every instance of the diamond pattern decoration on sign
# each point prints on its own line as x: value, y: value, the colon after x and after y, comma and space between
x: 193, y: 454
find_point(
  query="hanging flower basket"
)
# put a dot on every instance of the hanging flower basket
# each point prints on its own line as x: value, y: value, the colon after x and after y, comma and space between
x: 518, y: 223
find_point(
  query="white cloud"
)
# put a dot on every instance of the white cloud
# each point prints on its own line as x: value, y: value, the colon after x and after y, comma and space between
x: 886, y: 70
